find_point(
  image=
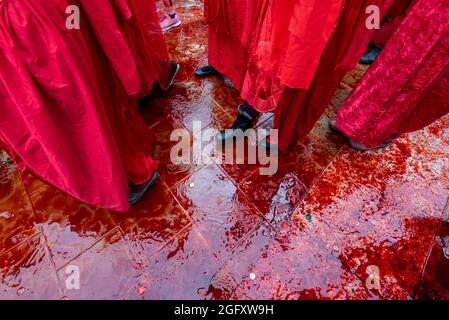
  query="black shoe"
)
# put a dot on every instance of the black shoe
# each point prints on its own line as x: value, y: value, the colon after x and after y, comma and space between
x: 371, y: 56
x: 245, y: 118
x: 205, y: 71
x: 174, y: 72
x: 136, y: 192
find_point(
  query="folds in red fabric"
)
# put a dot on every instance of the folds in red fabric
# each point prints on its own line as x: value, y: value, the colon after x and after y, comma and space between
x: 299, y: 109
x: 231, y: 27
x: 407, y: 88
x: 67, y: 111
x: 288, y: 56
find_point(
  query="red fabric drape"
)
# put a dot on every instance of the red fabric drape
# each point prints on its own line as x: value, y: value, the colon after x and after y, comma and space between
x: 132, y: 28
x: 231, y: 25
x: 393, y: 19
x: 264, y: 54
x: 103, y: 22
x: 130, y: 133
x: 67, y: 114
x: 299, y: 109
x: 290, y: 41
x: 407, y: 88
x: 144, y: 36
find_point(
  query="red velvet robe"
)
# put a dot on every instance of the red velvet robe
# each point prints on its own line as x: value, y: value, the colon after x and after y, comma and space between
x: 147, y: 42
x: 407, y: 88
x: 67, y: 111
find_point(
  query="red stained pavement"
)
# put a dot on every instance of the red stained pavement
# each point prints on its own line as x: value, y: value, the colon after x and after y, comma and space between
x: 216, y: 231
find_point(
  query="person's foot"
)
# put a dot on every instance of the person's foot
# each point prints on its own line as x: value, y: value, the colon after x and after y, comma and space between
x: 205, y: 71
x: 136, y: 192
x: 371, y: 56
x: 245, y: 119
x: 174, y: 72
x: 170, y: 21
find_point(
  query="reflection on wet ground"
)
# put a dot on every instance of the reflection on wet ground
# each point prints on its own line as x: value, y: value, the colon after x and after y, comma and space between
x: 313, y: 230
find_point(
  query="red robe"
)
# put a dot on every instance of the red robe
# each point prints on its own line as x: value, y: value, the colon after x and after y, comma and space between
x: 67, y: 114
x: 231, y: 26
x: 288, y: 56
x: 407, y: 88
x: 301, y: 107
x: 132, y: 28
x: 290, y: 40
x: 144, y: 36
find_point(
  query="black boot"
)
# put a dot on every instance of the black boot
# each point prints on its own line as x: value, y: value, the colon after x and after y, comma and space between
x: 371, y: 56
x: 205, y: 71
x: 245, y: 119
x: 136, y: 192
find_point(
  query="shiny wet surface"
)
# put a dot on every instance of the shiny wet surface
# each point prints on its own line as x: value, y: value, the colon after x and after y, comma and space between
x: 213, y: 231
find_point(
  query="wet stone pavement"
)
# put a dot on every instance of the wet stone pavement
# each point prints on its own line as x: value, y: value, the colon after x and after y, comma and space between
x: 315, y: 230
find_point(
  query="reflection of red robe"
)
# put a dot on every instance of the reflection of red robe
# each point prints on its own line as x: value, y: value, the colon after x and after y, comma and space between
x: 67, y: 114
x: 300, y: 108
x: 407, y: 88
